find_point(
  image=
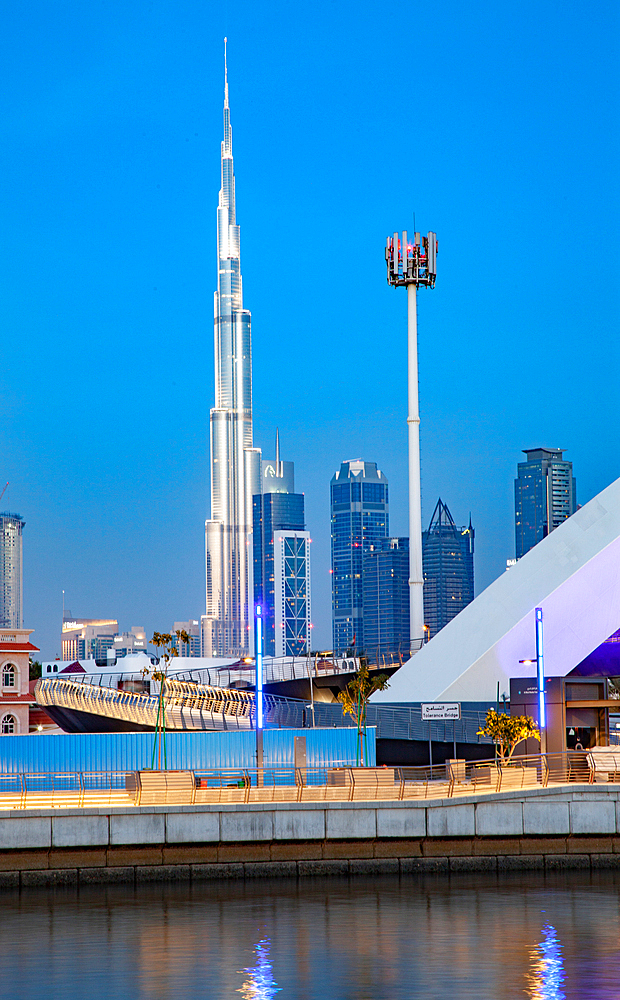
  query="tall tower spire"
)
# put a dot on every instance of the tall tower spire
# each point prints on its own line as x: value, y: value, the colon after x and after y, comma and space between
x: 225, y: 76
x: 235, y: 464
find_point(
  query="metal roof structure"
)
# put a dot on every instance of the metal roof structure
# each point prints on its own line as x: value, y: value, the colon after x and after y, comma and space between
x: 573, y: 575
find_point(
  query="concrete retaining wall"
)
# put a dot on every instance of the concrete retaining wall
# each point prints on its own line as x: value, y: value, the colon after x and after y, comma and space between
x: 531, y: 829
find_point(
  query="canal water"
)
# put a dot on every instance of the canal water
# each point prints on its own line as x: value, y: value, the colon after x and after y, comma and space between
x: 381, y: 938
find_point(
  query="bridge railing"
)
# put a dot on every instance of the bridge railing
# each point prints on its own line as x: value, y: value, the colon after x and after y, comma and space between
x: 338, y: 782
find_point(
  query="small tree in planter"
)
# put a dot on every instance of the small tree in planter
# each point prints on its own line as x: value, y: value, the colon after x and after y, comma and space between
x: 354, y: 700
x: 164, y: 641
x: 507, y: 731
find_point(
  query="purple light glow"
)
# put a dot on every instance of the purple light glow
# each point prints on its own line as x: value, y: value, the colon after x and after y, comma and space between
x: 260, y: 984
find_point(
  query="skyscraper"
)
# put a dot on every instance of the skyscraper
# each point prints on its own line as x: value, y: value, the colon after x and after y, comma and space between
x: 11, y: 576
x: 545, y: 495
x: 385, y: 591
x: 235, y: 463
x: 448, y: 563
x: 282, y: 561
x: 360, y: 518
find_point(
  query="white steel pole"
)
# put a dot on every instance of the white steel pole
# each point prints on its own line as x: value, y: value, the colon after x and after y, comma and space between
x: 416, y: 579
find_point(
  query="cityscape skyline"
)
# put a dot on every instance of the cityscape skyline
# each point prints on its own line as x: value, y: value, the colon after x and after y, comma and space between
x: 128, y: 540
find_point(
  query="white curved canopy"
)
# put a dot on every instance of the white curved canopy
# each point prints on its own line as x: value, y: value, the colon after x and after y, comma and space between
x: 573, y: 574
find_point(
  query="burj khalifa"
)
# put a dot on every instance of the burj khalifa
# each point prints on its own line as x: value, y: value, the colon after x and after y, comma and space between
x: 235, y: 463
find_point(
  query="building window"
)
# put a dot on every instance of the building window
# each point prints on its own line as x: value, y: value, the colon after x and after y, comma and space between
x: 9, y: 725
x: 9, y: 674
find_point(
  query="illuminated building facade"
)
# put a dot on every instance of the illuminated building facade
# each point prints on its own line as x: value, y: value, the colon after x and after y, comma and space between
x: 235, y: 463
x: 11, y: 575
x: 87, y: 638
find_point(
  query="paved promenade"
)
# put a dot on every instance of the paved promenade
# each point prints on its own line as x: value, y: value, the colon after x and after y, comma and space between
x: 574, y: 826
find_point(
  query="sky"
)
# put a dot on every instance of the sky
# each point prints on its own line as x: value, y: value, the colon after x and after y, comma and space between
x: 496, y: 124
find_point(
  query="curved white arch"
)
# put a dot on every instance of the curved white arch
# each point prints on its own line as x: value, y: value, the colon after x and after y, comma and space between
x: 573, y: 575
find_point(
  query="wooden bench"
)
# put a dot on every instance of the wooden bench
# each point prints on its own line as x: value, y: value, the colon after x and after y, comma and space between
x: 364, y: 783
x: 154, y: 788
x: 604, y: 763
x: 518, y: 776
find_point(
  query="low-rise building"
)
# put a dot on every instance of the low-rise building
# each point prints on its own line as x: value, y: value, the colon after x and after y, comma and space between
x: 15, y: 697
x: 191, y: 648
x: 86, y: 638
x: 125, y: 643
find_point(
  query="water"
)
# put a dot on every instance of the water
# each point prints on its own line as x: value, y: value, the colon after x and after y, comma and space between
x: 535, y: 936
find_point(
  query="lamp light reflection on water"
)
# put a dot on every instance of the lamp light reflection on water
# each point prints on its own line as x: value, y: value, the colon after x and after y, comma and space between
x: 547, y: 975
x: 260, y: 984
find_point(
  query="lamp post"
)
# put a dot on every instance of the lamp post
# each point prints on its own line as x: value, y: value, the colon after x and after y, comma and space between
x: 540, y: 674
x: 258, y: 619
x: 540, y: 680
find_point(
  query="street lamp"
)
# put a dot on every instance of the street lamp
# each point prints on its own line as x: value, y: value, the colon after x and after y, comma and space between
x: 540, y: 677
x: 258, y: 619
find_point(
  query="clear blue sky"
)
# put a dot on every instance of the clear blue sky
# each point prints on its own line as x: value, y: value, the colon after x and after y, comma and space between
x: 495, y: 123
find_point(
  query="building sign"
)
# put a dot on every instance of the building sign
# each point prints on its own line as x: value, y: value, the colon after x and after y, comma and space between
x: 438, y: 711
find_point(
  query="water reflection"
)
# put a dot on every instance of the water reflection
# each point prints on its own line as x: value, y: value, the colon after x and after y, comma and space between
x: 260, y: 984
x: 460, y: 938
x: 547, y: 975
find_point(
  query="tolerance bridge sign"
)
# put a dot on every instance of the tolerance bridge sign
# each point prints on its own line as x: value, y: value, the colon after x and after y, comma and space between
x: 438, y: 711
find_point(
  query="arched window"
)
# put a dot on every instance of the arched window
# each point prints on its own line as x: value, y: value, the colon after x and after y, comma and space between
x: 9, y: 725
x: 9, y: 676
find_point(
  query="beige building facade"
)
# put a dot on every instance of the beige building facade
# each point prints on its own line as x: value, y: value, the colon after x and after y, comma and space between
x: 15, y: 698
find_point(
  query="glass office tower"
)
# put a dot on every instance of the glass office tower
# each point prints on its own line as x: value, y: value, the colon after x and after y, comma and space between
x: 385, y: 589
x: 545, y: 495
x: 11, y: 576
x: 282, y: 560
x: 235, y: 463
x: 448, y: 564
x: 360, y: 518
x: 282, y: 572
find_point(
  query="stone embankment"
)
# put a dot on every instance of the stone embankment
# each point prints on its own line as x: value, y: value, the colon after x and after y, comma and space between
x: 544, y: 828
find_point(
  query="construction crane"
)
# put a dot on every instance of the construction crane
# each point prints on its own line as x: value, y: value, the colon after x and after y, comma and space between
x: 3, y: 491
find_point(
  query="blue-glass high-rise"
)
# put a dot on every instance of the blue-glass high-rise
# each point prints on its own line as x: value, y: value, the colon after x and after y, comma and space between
x: 360, y: 518
x: 278, y: 512
x: 282, y: 560
x: 448, y: 564
x: 235, y: 463
x: 545, y: 495
x: 386, y: 598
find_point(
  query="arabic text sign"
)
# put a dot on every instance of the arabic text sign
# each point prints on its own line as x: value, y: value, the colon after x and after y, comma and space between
x: 440, y: 710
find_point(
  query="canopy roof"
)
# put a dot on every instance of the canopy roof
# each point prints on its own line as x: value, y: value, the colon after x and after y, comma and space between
x: 573, y: 575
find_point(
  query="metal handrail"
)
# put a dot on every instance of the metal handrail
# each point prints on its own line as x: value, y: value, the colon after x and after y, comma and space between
x: 337, y: 782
